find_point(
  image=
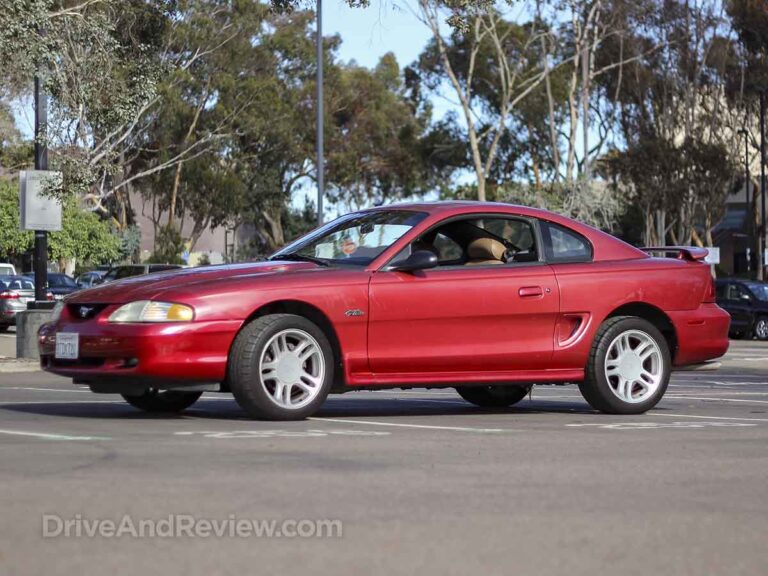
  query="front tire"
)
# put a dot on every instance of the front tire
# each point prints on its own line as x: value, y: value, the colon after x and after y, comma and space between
x: 163, y: 401
x: 281, y: 367
x: 493, y: 396
x: 628, y: 368
x: 761, y: 328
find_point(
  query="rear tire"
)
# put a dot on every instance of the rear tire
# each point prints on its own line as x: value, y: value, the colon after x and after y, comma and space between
x: 628, y: 367
x: 163, y: 401
x: 281, y: 367
x: 493, y: 396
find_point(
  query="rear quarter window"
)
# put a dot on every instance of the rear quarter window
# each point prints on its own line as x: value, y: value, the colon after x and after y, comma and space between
x: 562, y: 244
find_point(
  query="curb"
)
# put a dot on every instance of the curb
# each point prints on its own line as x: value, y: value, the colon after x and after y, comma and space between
x: 15, y: 365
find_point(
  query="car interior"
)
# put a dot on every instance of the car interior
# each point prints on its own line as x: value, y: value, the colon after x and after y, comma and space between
x: 479, y: 242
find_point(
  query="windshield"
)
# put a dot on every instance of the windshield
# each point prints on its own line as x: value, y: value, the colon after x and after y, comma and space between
x: 355, y: 239
x: 16, y: 284
x: 760, y: 291
x: 123, y: 272
x: 62, y: 281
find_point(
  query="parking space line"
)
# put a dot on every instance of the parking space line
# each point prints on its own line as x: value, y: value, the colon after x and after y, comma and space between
x: 708, y: 417
x: 746, y: 400
x: 418, y: 426
x: 44, y: 389
x: 45, y: 436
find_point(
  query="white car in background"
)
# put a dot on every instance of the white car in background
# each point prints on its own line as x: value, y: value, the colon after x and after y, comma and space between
x: 7, y: 270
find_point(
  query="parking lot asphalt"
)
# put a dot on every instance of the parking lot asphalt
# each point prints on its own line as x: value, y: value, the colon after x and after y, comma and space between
x: 422, y: 482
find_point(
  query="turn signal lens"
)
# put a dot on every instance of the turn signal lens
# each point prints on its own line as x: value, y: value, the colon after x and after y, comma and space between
x: 149, y: 311
x: 180, y: 313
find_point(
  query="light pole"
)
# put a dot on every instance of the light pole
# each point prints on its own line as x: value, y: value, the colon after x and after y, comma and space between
x: 40, y: 258
x: 320, y: 126
x: 750, y: 212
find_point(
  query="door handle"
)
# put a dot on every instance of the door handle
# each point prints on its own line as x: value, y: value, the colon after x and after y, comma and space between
x: 530, y: 291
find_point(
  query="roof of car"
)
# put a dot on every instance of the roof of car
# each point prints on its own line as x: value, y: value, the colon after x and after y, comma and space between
x: 458, y: 207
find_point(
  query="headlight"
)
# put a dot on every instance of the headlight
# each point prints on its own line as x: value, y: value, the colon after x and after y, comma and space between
x: 56, y: 312
x: 149, y: 311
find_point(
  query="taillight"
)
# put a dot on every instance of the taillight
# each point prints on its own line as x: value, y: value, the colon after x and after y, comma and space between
x: 709, y: 293
x: 9, y: 295
x: 50, y: 296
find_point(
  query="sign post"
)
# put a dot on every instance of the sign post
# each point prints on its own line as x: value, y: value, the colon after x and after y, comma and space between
x: 42, y: 214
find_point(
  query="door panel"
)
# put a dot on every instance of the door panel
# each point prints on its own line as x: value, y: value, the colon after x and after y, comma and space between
x: 480, y: 318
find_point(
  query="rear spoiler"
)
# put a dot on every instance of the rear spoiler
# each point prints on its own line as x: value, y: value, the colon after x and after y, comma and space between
x: 691, y: 253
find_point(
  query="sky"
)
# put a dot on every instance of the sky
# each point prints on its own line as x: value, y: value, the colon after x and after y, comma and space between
x: 369, y: 33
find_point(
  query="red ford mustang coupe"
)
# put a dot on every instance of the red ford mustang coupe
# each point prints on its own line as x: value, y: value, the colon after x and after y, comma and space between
x: 487, y: 298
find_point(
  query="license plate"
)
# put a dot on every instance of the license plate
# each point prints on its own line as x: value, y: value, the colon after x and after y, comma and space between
x: 67, y: 346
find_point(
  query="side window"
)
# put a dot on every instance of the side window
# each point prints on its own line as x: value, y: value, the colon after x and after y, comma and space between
x: 447, y: 250
x: 564, y: 245
x: 736, y: 292
x: 517, y: 235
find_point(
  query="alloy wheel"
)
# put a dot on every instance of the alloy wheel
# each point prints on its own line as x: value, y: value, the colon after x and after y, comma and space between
x: 292, y: 368
x: 761, y: 329
x: 634, y: 366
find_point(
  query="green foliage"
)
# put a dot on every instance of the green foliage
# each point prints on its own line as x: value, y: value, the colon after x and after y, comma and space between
x: 130, y: 243
x: 13, y: 242
x: 169, y: 245
x: 377, y: 142
x: 84, y: 237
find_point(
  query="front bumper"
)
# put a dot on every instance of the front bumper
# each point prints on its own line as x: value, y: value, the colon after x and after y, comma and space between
x: 181, y: 352
x: 702, y: 334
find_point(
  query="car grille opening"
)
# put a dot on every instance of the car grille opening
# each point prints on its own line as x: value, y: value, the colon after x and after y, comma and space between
x: 85, y: 311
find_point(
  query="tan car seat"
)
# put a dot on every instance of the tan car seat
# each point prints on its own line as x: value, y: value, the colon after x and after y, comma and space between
x: 485, y: 251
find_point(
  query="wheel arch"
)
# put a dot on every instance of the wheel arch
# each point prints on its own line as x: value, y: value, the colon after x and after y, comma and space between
x: 655, y: 316
x: 311, y: 313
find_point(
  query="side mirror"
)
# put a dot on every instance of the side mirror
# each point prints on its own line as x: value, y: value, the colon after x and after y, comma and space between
x: 745, y: 298
x: 419, y: 260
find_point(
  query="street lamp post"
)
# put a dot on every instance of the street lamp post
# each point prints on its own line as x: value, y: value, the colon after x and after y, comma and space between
x: 40, y: 258
x: 320, y: 126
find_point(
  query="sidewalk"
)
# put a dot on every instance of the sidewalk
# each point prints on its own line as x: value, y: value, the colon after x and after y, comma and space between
x: 11, y: 365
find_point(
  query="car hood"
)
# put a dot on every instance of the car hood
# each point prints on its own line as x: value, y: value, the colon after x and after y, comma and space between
x: 148, y: 286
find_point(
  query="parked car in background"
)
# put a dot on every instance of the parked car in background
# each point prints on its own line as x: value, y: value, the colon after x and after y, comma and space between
x: 58, y: 284
x: 129, y: 270
x: 15, y: 293
x: 747, y: 303
x: 90, y: 279
x: 7, y: 270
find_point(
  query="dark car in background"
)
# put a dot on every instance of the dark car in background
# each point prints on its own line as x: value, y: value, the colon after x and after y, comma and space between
x: 747, y: 303
x: 15, y: 292
x: 129, y: 270
x: 90, y: 279
x: 58, y: 284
